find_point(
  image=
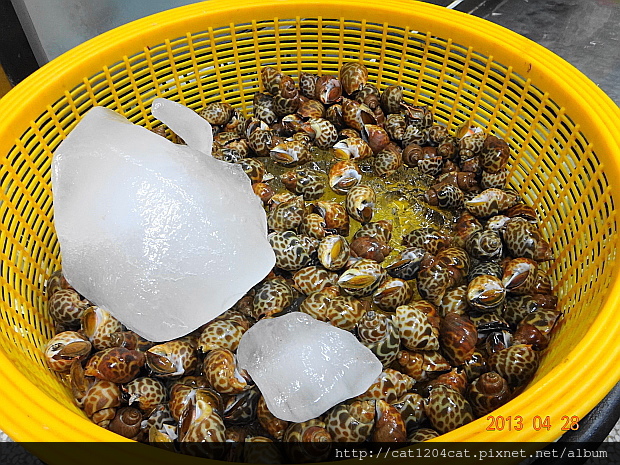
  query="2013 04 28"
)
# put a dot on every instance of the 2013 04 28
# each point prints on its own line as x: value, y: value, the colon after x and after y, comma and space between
x: 538, y: 423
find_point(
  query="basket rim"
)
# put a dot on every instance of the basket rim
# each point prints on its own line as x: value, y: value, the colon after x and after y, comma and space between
x: 537, y: 63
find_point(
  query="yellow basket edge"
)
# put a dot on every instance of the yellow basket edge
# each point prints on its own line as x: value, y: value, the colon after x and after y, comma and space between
x: 35, y: 87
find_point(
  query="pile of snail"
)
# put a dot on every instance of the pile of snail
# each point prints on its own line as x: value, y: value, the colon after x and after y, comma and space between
x: 457, y: 308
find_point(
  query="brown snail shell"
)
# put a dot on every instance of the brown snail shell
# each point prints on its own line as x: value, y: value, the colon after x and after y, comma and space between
x: 272, y: 424
x: 328, y: 89
x: 488, y: 392
x: 173, y: 359
x: 312, y: 440
x: 455, y: 379
x: 411, y: 408
x: 485, y: 293
x: 55, y: 282
x: 389, y: 424
x: 126, y: 422
x: 353, y: 76
x: 520, y: 275
x: 458, y: 337
x: 524, y: 240
x: 117, y: 364
x: 101, y: 401
x: 98, y: 325
x: 517, y: 363
x: 146, y: 392
x: 64, y: 348
x: 220, y: 369
x: 370, y: 247
x: 447, y: 409
x: 351, y: 422
x: 389, y: 386
x: 66, y: 307
x: 335, y: 216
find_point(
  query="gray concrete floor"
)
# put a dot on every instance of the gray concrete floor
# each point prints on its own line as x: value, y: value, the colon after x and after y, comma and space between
x: 585, y: 33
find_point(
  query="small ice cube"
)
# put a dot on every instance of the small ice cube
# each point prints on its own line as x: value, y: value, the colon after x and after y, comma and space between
x: 163, y: 236
x: 303, y: 366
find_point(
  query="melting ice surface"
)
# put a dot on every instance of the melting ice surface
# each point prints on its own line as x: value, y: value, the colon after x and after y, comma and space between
x: 163, y: 236
x: 303, y: 366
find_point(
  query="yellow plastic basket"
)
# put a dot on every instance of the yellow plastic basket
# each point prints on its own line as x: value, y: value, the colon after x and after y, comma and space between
x: 564, y: 133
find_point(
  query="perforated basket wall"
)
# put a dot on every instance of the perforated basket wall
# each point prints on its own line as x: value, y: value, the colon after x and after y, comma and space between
x: 562, y: 130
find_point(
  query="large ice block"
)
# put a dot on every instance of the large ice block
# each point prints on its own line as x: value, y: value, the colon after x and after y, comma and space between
x: 163, y: 236
x: 303, y: 366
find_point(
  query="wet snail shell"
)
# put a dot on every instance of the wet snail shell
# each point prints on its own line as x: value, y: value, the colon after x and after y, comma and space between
x: 389, y: 386
x: 66, y: 307
x: 311, y: 439
x: 344, y: 175
x: 447, y: 409
x: 488, y: 392
x: 353, y: 76
x: 220, y: 369
x: 415, y: 328
x: 389, y: 424
x: 173, y: 359
x: 313, y: 225
x: 333, y: 252
x: 313, y: 279
x: 335, y: 216
x: 411, y: 408
x: 363, y: 278
x: 271, y: 79
x: 485, y: 293
x: 454, y: 301
x: 360, y: 203
x: 370, y: 247
x: 287, y: 215
x: 429, y: 239
x: 391, y: 98
x: 240, y: 409
x: 458, y: 337
x: 343, y: 312
x: 484, y: 245
x: 64, y: 348
x: 524, y: 240
x: 290, y: 249
x: 127, y: 422
x: 408, y: 263
x: 55, y: 282
x: 116, y: 364
x: 217, y: 113
x: 287, y: 153
x: 146, y: 392
x: 444, y: 195
x: 520, y: 275
x: 307, y: 84
x: 274, y: 426
x: 98, y: 325
x: 422, y: 434
x: 379, y: 333
x: 351, y: 422
x: 392, y: 293
x: 455, y: 379
x: 516, y: 364
x: 220, y: 334
x: 306, y: 182
x: 130, y: 340
x: 490, y: 202
x: 328, y: 89
x: 101, y: 401
x: 352, y: 148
